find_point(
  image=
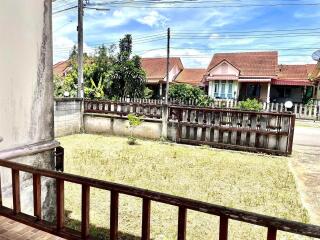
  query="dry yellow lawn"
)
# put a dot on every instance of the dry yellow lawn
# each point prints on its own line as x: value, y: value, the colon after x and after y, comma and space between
x: 258, y: 183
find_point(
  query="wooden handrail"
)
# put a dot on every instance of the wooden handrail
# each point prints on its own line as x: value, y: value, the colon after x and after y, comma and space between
x: 272, y: 223
x: 28, y: 150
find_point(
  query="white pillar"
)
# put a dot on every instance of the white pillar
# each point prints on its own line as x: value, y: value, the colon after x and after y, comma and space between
x: 268, y: 93
x: 160, y: 90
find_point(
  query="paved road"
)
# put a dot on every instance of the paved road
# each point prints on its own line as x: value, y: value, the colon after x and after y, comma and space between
x: 305, y: 165
x: 307, y: 136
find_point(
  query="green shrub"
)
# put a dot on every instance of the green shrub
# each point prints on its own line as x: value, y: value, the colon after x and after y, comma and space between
x: 251, y: 104
x: 186, y: 93
x: 148, y: 93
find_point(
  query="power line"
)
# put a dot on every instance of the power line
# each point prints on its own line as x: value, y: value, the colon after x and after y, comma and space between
x: 219, y: 4
x: 251, y: 31
x: 63, y: 10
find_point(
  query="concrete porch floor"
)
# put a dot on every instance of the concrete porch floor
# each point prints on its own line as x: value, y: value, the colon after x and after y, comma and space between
x: 12, y: 230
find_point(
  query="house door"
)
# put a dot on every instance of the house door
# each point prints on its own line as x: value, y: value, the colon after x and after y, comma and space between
x: 249, y: 90
x: 253, y: 90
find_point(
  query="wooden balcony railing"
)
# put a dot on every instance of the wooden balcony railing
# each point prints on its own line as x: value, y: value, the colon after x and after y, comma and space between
x: 272, y: 224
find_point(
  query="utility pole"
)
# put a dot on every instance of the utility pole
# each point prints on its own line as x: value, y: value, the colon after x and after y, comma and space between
x: 80, y: 49
x: 168, y: 65
x: 165, y: 108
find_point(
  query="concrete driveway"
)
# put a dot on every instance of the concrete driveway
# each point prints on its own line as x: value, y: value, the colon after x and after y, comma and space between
x: 305, y: 164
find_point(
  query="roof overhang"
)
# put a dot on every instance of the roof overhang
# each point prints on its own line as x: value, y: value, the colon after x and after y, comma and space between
x: 291, y: 82
x: 222, y: 77
x: 255, y: 80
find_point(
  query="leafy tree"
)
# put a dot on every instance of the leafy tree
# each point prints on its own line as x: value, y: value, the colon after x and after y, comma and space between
x: 127, y: 78
x: 186, y: 93
x: 106, y: 75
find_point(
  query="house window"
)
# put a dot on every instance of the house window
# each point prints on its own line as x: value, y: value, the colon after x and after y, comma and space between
x: 230, y: 89
x: 216, y: 89
x: 223, y: 89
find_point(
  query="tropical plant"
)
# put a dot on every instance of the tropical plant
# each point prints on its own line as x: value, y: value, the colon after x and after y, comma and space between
x: 134, y: 121
x: 251, y: 105
x: 95, y: 91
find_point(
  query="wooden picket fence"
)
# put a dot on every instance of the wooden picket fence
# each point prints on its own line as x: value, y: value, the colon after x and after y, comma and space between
x: 302, y: 111
x: 233, y: 129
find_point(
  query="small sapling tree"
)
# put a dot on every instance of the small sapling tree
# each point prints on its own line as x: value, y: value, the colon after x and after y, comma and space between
x: 134, y: 121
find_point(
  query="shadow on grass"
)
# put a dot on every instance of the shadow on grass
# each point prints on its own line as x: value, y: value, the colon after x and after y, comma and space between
x: 98, y: 233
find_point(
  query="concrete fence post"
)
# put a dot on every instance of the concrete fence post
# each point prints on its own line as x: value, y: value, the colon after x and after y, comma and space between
x: 164, y: 113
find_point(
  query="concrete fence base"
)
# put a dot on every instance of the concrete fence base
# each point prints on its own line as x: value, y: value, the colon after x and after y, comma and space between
x: 115, y: 125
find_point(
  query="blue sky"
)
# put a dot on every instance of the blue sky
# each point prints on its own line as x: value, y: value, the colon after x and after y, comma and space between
x: 198, y: 29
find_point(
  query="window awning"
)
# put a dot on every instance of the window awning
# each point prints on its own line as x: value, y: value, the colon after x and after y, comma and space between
x: 291, y: 82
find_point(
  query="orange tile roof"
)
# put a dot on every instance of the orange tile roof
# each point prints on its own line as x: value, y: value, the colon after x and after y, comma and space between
x: 249, y: 63
x: 300, y: 71
x: 191, y: 76
x: 156, y: 68
x: 294, y: 74
x: 315, y: 72
x: 60, y: 68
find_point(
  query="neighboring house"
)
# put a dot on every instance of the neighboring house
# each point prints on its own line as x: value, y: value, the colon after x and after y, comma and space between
x: 315, y: 76
x: 192, y: 76
x: 257, y: 75
x: 156, y: 71
x: 61, y: 69
x: 241, y: 75
x: 292, y: 83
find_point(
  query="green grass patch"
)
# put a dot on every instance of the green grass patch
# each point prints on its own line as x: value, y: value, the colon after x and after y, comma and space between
x: 252, y: 182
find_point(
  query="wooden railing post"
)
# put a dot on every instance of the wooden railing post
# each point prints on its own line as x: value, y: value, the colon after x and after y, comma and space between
x: 0, y: 188
x: 16, y: 191
x: 182, y: 223
x: 114, y: 211
x: 272, y: 233
x: 85, y: 211
x: 60, y: 204
x: 291, y: 134
x: 37, y: 196
x: 146, y: 207
x: 223, y: 229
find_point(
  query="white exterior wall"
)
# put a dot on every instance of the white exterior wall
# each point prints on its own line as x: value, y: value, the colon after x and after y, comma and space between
x: 26, y: 92
x: 26, y: 115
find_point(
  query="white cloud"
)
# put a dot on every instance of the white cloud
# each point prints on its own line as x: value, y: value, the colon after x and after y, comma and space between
x: 214, y: 36
x: 62, y: 47
x: 153, y: 19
